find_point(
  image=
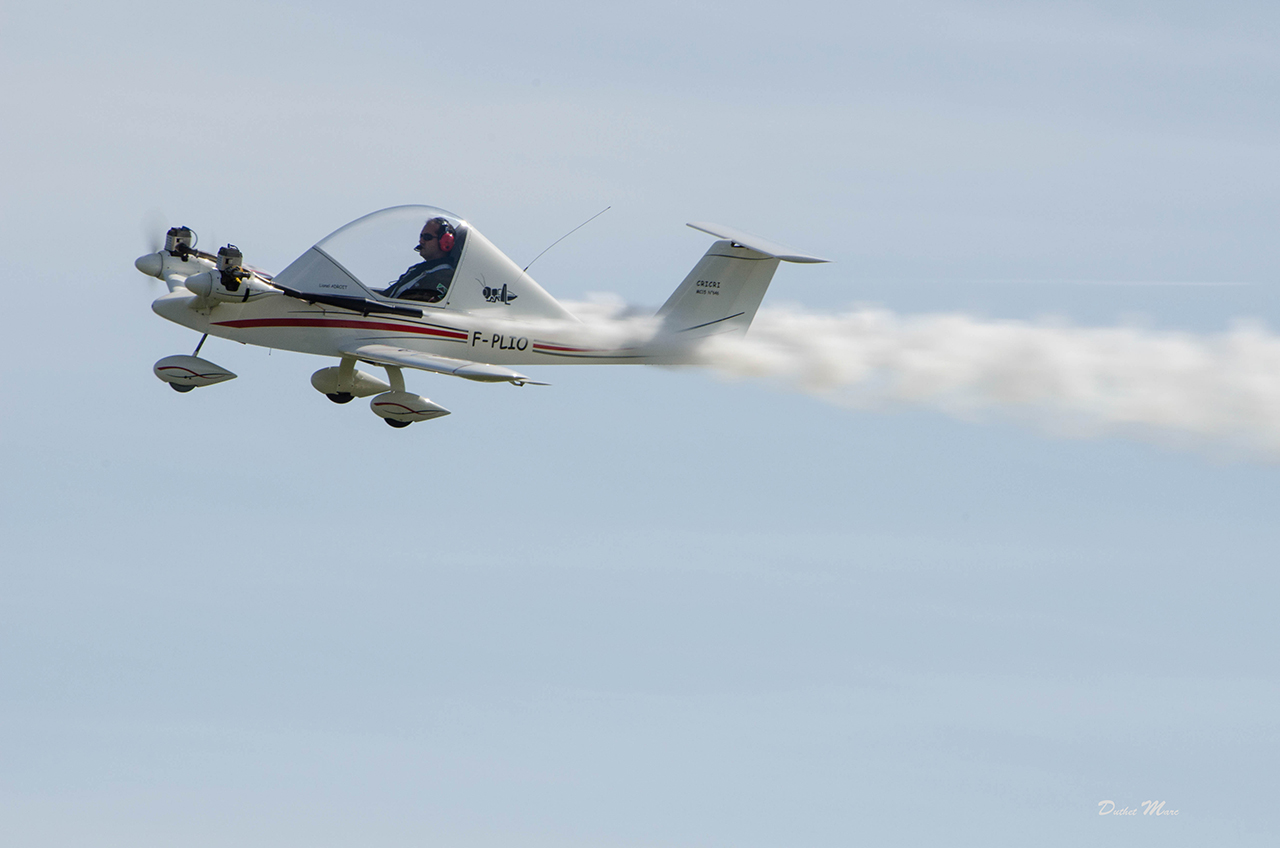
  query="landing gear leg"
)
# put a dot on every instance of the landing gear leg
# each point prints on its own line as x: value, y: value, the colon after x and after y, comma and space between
x: 396, y: 376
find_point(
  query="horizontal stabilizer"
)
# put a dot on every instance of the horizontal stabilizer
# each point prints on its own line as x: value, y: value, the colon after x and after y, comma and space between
x: 400, y: 357
x: 759, y: 245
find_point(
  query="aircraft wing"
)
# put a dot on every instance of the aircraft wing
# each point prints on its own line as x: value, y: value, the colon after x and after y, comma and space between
x: 403, y: 358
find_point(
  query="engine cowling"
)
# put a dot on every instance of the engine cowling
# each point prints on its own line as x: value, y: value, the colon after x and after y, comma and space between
x: 212, y: 285
x: 190, y: 372
x: 401, y: 409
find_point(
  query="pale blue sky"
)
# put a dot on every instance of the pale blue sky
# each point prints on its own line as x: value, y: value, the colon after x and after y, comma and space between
x: 639, y: 607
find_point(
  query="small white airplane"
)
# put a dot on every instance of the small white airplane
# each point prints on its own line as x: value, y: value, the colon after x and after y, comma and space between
x: 465, y: 309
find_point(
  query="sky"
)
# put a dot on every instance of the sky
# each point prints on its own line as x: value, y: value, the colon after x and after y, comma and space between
x: 640, y: 607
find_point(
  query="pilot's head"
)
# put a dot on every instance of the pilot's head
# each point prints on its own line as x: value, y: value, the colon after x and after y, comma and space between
x: 436, y: 239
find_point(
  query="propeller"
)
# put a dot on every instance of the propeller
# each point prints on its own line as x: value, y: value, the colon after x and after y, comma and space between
x: 163, y: 241
x: 154, y: 225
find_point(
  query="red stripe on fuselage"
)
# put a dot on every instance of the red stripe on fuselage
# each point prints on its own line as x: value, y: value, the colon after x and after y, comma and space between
x: 345, y: 324
x: 540, y: 346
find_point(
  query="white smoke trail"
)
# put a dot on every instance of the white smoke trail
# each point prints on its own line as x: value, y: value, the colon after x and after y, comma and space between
x: 1071, y: 380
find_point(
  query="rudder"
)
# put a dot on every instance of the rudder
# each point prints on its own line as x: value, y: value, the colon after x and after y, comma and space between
x: 724, y: 290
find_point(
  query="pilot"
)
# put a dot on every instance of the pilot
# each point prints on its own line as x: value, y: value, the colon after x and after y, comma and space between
x: 428, y: 281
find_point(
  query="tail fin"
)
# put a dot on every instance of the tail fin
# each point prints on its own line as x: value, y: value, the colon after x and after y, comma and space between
x: 724, y: 290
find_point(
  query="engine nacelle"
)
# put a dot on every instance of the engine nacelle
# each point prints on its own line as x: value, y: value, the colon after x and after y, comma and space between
x: 359, y: 384
x: 400, y: 409
x: 185, y: 373
x: 213, y: 285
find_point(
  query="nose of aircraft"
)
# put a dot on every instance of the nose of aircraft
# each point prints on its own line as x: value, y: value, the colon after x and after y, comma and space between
x: 150, y: 264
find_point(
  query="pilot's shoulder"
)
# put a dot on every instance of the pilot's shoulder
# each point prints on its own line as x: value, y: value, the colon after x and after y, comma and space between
x: 413, y: 271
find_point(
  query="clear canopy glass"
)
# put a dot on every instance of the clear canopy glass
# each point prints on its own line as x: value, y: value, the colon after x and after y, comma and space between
x: 377, y: 256
x: 379, y: 248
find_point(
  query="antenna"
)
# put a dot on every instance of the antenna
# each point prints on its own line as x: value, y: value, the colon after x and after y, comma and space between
x: 562, y: 238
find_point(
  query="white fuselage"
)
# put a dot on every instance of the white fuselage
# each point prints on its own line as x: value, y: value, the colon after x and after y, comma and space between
x: 286, y: 323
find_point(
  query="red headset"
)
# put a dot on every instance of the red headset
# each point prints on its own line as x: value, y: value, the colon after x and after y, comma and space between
x: 445, y: 234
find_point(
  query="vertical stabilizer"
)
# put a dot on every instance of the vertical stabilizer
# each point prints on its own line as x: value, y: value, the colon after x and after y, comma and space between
x: 724, y: 290
x: 721, y: 293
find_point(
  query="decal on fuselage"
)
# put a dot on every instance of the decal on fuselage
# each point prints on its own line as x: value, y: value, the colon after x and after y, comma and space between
x: 498, y: 341
x: 498, y: 295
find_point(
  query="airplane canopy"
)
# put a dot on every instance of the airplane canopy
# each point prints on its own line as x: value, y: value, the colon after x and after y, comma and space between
x: 375, y: 257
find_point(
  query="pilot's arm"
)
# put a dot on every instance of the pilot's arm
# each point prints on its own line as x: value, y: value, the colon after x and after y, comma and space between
x: 426, y: 282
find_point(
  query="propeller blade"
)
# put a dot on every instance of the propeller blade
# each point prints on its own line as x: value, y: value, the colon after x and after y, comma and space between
x: 154, y: 227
